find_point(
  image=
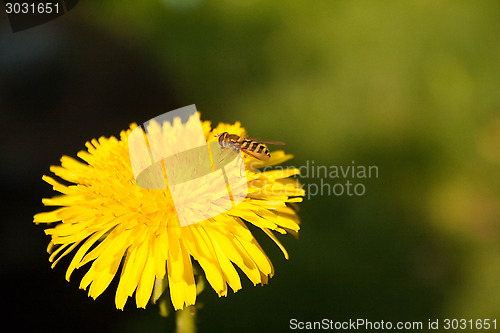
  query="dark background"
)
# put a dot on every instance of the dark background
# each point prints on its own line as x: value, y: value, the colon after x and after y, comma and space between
x: 411, y: 87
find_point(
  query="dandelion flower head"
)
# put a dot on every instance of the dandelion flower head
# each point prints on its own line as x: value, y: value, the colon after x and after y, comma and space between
x: 116, y: 228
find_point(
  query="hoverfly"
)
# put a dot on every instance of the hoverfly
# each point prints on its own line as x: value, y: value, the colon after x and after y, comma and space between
x: 252, y: 147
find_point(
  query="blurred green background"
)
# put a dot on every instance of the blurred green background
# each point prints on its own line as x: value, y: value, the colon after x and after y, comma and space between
x: 412, y: 87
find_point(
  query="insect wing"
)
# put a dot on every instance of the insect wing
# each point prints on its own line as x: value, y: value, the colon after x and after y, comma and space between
x: 270, y: 142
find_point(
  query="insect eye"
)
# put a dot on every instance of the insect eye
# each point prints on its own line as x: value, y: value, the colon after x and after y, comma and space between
x: 220, y: 136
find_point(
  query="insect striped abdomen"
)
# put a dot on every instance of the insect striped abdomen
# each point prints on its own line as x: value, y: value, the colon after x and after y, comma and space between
x: 248, y: 146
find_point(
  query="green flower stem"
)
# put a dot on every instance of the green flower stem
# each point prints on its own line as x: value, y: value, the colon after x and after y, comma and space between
x: 185, y: 320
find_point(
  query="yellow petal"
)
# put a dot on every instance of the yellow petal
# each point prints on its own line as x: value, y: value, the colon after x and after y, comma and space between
x: 273, y: 237
x: 146, y: 282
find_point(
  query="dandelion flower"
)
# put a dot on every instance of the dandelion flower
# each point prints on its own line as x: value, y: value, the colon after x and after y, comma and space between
x: 115, y: 227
